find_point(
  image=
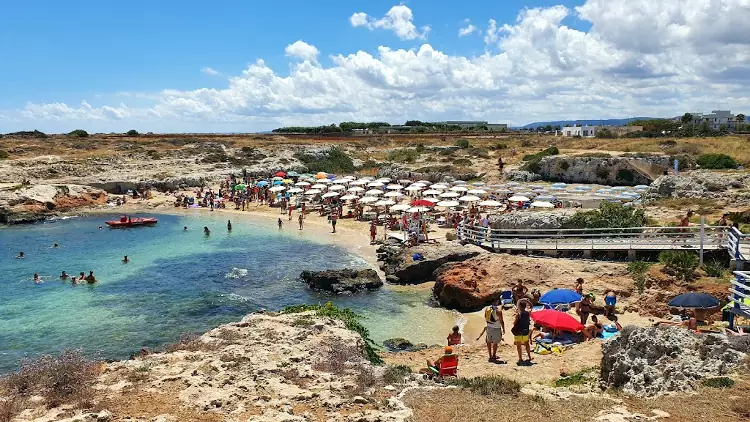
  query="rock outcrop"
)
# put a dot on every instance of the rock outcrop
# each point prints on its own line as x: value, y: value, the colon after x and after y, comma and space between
x: 653, y: 361
x: 400, y: 266
x: 604, y: 170
x: 402, y: 345
x: 728, y: 186
x: 29, y: 203
x: 342, y: 281
x: 430, y: 173
x: 531, y: 220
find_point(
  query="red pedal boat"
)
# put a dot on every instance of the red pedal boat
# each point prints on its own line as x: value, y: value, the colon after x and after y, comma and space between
x: 131, y: 222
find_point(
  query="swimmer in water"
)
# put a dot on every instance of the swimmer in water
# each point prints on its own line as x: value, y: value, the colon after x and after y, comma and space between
x: 55, y: 245
x: 100, y: 227
x: 90, y: 278
x: 184, y: 229
x: 64, y: 276
x: 37, y: 280
x: 281, y: 223
x: 206, y: 231
x: 229, y: 226
x: 125, y: 260
x: 20, y: 255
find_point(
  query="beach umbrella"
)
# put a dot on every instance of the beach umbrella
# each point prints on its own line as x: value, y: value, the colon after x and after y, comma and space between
x: 280, y: 174
x: 546, y: 198
x: 355, y: 189
x: 518, y: 198
x: 418, y: 209
x: 424, y: 182
x: 262, y: 183
x: 349, y: 197
x: 542, y: 204
x: 394, y: 187
x: 277, y: 182
x: 469, y: 198
x: 292, y: 174
x: 440, y: 186
x: 375, y: 184
x: 313, y: 192
x: 400, y: 207
x: 450, y: 195
x: 330, y: 194
x: 239, y: 186
x: 459, y: 189
x: 414, y: 188
x: 384, y: 203
x: 560, y: 185
x: 432, y: 192
x: 513, y: 184
x: 277, y: 178
x: 302, y: 184
x: 294, y: 190
x: 358, y: 182
x: 694, y: 300
x: 368, y: 199
x: 490, y: 204
x: 478, y: 184
x: 277, y: 189
x: 337, y: 187
x: 423, y: 203
x: 502, y: 191
x: 404, y: 181
x: 394, y: 194
x: 458, y: 182
x: 477, y: 192
x: 560, y: 297
x: 374, y: 192
x: 321, y: 175
x: 287, y: 181
x: 448, y: 204
x: 319, y: 186
x: 640, y: 187
x: 619, y: 188
x: 556, y: 320
x: 340, y: 181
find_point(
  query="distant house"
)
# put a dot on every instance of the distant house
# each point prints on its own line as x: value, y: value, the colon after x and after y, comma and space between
x: 716, y: 119
x: 590, y: 131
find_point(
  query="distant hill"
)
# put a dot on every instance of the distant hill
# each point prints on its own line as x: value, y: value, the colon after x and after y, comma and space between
x: 590, y: 122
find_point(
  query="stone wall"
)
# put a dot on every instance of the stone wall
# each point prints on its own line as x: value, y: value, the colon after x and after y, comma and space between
x: 602, y: 170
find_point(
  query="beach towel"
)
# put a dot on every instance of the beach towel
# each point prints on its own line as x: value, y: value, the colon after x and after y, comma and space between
x: 606, y: 335
x: 561, y: 340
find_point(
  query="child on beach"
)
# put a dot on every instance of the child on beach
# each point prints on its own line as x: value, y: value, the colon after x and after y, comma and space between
x: 300, y: 219
x: 454, y: 337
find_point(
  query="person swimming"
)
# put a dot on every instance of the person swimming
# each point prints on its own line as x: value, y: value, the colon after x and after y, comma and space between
x: 184, y: 229
x: 125, y: 260
x: 37, y: 280
x: 55, y: 245
x: 20, y: 255
x: 64, y: 276
x: 90, y: 278
x: 206, y: 231
x: 280, y: 223
x: 229, y: 225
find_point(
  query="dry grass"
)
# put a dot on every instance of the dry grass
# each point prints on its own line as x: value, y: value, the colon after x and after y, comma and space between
x: 192, y: 343
x: 337, y: 358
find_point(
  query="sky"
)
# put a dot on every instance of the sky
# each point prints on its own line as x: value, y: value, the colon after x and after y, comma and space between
x: 245, y: 66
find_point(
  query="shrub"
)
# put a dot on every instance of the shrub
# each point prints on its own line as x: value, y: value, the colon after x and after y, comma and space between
x: 334, y: 160
x: 4, y: 154
x: 716, y: 161
x: 533, y: 160
x: 525, y: 143
x: 447, y: 151
x: 67, y: 378
x: 718, y: 382
x: 638, y: 270
x: 153, y: 154
x: 132, y: 132
x: 395, y: 374
x: 499, y: 146
x: 462, y: 143
x: 488, y: 385
x: 564, y: 165
x: 337, y: 355
x: 11, y: 406
x: 714, y: 268
x: 403, y: 155
x: 215, y: 157
x: 605, y: 133
x: 682, y: 264
x: 574, y: 379
x: 478, y: 152
x: 80, y: 133
x: 608, y: 215
x: 462, y: 162
x: 420, y: 148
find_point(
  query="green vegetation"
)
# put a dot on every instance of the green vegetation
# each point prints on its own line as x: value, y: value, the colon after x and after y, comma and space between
x: 715, y: 268
x: 716, y: 161
x: 605, y: 133
x: 350, y: 126
x: 28, y: 134
x: 577, y: 378
x: 403, y: 155
x: 464, y: 162
x: 681, y: 264
x: 624, y: 175
x: 533, y: 160
x: 334, y: 160
x: 132, y: 132
x: 395, y: 374
x: 316, y: 130
x: 499, y: 146
x: 4, y: 154
x: 718, y: 382
x: 350, y: 319
x: 79, y: 133
x: 638, y: 270
x: 608, y: 215
x: 488, y: 385
x: 463, y: 143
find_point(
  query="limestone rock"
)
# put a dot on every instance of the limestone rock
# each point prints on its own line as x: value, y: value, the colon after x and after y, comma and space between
x: 531, y: 220
x: 405, y: 270
x: 342, y: 281
x: 728, y: 186
x: 402, y: 345
x: 28, y: 203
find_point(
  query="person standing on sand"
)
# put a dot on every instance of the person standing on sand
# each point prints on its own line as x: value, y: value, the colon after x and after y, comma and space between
x: 494, y: 329
x: 520, y: 331
x: 334, y: 218
x: 300, y: 219
x: 373, y: 231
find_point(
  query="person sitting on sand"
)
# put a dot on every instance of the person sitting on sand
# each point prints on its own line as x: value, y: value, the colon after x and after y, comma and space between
x: 614, y: 323
x: 20, y: 255
x: 535, y: 296
x: 435, y: 366
x: 64, y: 276
x: 595, y: 329
x: 519, y: 291
x: 454, y: 337
x: 125, y: 260
x: 90, y: 278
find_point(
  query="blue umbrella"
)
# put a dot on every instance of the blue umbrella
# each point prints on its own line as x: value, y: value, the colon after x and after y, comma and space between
x: 277, y: 182
x: 694, y: 300
x: 262, y: 183
x: 560, y: 297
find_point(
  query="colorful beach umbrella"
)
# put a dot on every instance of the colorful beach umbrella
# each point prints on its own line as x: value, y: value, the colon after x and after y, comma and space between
x: 556, y: 320
x: 280, y: 174
x: 423, y: 203
x: 321, y: 175
x: 560, y: 297
x: 239, y: 186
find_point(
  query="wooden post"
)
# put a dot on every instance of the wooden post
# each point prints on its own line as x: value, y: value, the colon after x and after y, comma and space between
x: 702, y: 235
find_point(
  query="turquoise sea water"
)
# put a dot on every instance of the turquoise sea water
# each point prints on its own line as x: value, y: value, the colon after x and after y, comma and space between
x: 176, y: 282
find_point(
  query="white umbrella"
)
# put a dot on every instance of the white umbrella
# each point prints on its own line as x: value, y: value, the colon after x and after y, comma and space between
x: 418, y: 209
x: 294, y: 190
x: 542, y: 204
x: 459, y: 189
x: 384, y: 203
x: 440, y: 186
x: 459, y: 182
x: 349, y: 197
x: 477, y: 192
x: 277, y: 189
x: 355, y: 189
x: 469, y: 198
x: 359, y: 182
x: 340, y: 181
x: 384, y: 180
x: 490, y: 203
x: 400, y: 207
x: 450, y: 195
x: 394, y: 187
x: 414, y: 187
x: 319, y: 186
x: 424, y: 182
x: 374, y: 192
x: 394, y: 194
x: 368, y: 199
x: 278, y: 178
x: 337, y: 187
x: 518, y: 198
x: 302, y: 184
x: 546, y: 198
x: 349, y: 177
x: 432, y: 192
x: 375, y: 184
x: 448, y: 204
x: 330, y: 194
x: 479, y: 184
x: 313, y: 192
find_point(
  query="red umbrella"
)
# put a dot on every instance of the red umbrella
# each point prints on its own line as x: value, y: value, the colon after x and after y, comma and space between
x: 556, y: 320
x: 422, y: 203
x: 280, y: 174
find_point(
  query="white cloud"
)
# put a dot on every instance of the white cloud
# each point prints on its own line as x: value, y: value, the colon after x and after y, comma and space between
x: 302, y: 50
x: 209, y: 71
x: 467, y: 30
x: 398, y: 19
x: 537, y: 69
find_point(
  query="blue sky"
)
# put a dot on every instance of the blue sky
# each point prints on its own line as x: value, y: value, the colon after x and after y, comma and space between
x: 142, y: 60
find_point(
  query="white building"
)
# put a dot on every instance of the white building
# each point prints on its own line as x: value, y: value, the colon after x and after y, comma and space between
x: 716, y: 119
x: 582, y: 131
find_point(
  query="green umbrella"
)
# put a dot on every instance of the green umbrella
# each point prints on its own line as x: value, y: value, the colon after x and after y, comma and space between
x: 292, y: 174
x: 240, y: 186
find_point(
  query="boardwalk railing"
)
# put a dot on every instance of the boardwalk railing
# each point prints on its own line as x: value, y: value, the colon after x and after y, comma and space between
x: 738, y: 244
x: 627, y: 238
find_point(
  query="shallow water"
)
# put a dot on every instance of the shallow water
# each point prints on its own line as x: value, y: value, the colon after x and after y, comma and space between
x: 176, y: 282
